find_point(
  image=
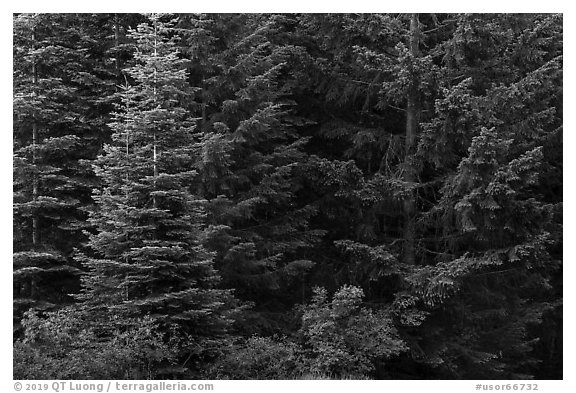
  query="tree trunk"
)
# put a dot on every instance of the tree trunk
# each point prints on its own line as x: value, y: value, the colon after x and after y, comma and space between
x: 116, y: 45
x: 35, y: 186
x: 155, y: 153
x: 412, y: 125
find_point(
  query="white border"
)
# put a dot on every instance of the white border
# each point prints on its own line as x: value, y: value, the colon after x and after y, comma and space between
x: 8, y: 7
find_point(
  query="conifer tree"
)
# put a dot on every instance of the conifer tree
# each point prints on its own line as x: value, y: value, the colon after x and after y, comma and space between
x: 60, y: 91
x: 149, y: 258
x: 468, y: 125
x: 497, y: 263
x: 252, y: 165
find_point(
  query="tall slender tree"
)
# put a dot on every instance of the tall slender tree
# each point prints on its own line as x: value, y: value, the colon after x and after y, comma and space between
x: 412, y: 127
x: 490, y: 282
x: 149, y: 257
x: 60, y: 90
x: 253, y: 158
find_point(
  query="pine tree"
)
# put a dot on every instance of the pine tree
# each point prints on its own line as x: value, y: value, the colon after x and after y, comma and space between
x: 368, y: 72
x: 60, y: 90
x: 252, y: 157
x: 149, y: 258
x: 492, y: 280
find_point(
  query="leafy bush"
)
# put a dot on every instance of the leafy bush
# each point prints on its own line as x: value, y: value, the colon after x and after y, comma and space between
x: 340, y: 339
x: 259, y: 358
x: 63, y: 346
x: 343, y: 338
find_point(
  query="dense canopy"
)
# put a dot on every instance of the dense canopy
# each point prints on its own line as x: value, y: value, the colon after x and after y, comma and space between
x: 287, y: 196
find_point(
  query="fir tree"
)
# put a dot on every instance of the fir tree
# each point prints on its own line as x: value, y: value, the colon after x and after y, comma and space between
x: 60, y: 90
x: 149, y: 254
x: 252, y: 165
x: 497, y: 260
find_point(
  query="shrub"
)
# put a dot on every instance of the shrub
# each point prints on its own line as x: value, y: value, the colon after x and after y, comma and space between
x: 343, y: 338
x: 259, y: 358
x: 63, y: 346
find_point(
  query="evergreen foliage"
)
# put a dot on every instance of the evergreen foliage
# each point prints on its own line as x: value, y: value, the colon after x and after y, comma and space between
x: 149, y: 257
x: 60, y: 91
x: 252, y: 157
x: 382, y: 193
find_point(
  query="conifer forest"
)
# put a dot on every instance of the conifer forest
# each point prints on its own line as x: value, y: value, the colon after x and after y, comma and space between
x: 287, y: 196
